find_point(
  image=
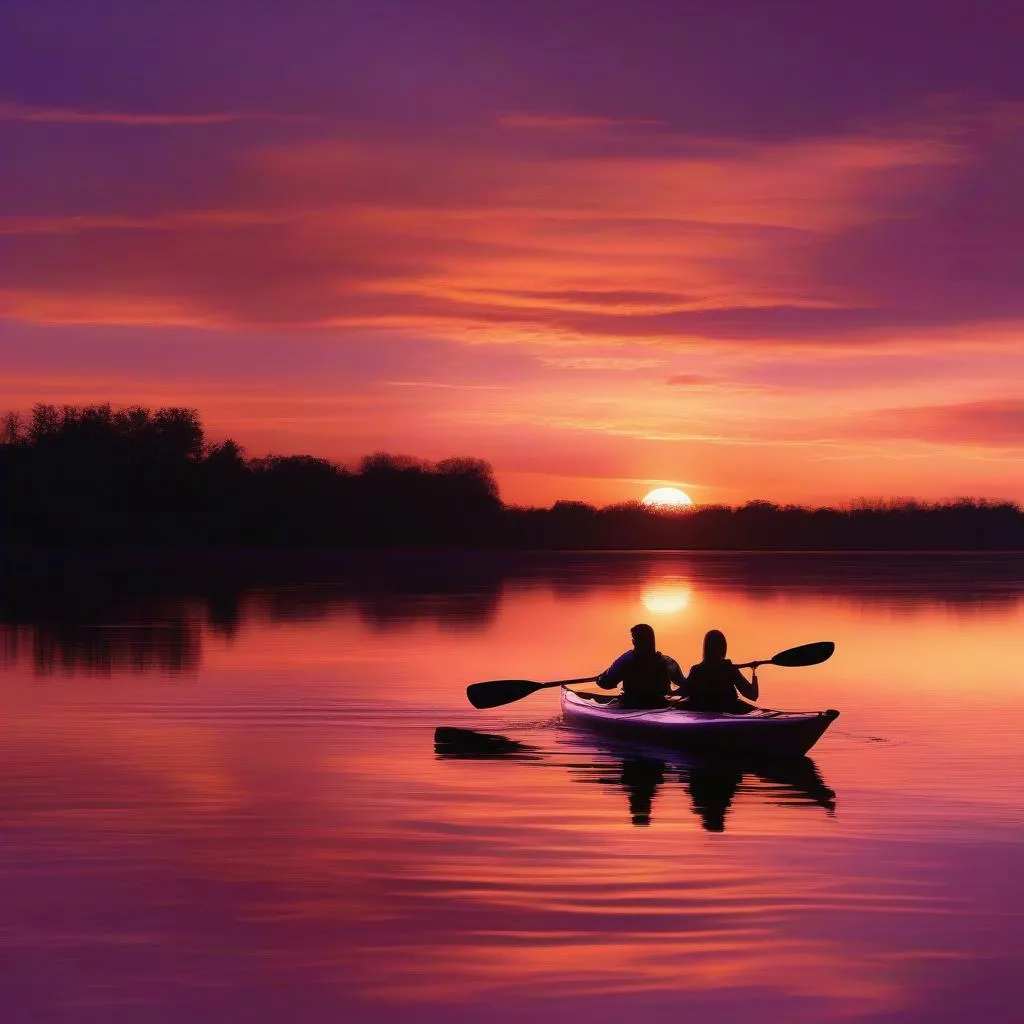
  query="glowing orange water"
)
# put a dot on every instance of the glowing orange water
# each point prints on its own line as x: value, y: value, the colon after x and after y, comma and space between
x: 271, y: 827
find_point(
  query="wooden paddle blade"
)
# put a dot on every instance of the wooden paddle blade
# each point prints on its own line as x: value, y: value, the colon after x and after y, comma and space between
x: 805, y: 654
x: 496, y: 692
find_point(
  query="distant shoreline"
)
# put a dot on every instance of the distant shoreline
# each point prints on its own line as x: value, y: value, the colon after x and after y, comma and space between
x: 90, y: 477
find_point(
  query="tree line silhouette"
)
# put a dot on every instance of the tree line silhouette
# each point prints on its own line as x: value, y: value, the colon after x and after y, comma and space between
x: 96, y: 476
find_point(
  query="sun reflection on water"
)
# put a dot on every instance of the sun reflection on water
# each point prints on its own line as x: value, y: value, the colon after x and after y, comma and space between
x: 666, y: 597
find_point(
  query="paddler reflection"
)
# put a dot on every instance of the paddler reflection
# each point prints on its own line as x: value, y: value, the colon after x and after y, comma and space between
x: 711, y: 789
x: 640, y: 778
x: 641, y: 774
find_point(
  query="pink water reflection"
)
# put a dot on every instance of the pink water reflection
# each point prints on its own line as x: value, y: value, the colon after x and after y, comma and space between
x: 270, y: 831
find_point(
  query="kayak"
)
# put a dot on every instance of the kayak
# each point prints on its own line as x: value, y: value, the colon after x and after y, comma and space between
x: 760, y: 731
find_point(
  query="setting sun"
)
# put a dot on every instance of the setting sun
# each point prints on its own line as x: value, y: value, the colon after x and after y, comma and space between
x: 667, y: 497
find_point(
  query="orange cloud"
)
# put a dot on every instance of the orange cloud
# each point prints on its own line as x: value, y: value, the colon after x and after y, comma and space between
x: 701, y: 240
x: 690, y: 380
x: 997, y: 422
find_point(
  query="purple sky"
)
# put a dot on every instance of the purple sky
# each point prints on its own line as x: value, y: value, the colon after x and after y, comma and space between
x: 750, y: 249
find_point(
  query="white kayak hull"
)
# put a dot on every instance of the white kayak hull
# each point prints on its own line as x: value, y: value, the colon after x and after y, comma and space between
x: 761, y: 731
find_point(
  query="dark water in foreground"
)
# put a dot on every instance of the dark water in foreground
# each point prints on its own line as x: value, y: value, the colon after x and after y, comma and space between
x: 231, y: 806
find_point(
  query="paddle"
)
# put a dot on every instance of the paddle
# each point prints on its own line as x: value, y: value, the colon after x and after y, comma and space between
x: 795, y: 657
x: 495, y: 692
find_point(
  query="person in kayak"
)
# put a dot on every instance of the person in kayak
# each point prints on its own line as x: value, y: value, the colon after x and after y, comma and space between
x: 645, y: 673
x: 715, y: 683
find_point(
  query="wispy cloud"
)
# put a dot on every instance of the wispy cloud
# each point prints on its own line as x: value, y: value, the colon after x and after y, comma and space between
x: 171, y: 221
x: 443, y: 385
x: 995, y: 422
x: 70, y: 115
x: 602, y: 363
x: 573, y: 122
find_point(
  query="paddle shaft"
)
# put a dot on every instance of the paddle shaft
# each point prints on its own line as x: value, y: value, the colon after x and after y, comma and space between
x: 569, y: 682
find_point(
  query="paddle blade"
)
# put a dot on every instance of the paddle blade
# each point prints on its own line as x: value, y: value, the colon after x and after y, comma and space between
x: 496, y: 692
x: 805, y: 654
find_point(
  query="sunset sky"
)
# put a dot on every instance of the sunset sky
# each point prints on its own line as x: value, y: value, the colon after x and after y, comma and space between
x: 751, y: 249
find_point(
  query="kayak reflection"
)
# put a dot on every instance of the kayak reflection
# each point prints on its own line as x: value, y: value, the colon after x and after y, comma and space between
x: 641, y: 772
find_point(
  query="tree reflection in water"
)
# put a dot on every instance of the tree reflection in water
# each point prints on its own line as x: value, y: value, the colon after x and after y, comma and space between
x: 641, y: 773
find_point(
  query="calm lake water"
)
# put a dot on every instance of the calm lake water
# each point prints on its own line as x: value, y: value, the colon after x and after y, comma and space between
x: 228, y: 804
